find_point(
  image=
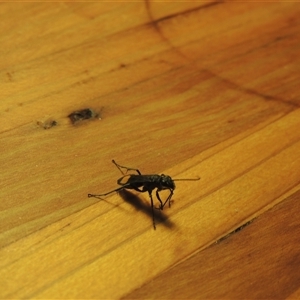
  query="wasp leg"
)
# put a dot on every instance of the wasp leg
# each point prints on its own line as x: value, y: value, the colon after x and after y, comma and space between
x: 169, y: 198
x: 152, y: 206
x: 151, y: 199
x: 100, y: 195
x: 127, y: 169
x: 161, y: 207
x: 138, y: 190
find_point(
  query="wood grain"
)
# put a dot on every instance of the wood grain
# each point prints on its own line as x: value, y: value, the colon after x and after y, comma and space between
x: 261, y: 262
x: 188, y: 89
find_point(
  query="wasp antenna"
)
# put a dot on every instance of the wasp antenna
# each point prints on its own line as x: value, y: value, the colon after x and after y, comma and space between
x: 187, y: 179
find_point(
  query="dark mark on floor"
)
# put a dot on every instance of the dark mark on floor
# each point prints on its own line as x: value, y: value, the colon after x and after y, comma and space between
x: 235, y: 231
x: 47, y: 124
x: 83, y: 114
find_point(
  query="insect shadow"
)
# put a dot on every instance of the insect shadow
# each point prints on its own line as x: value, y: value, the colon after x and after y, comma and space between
x: 140, y: 205
x: 145, y: 183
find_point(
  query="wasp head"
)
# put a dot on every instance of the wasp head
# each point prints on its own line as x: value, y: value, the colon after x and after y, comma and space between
x: 167, y: 182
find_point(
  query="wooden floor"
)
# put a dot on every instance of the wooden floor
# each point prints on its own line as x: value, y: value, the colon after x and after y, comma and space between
x: 188, y: 89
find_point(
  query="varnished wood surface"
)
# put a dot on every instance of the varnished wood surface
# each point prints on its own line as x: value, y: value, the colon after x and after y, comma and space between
x: 189, y: 89
x: 260, y: 262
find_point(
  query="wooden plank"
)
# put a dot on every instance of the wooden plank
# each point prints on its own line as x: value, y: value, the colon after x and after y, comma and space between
x: 261, y: 261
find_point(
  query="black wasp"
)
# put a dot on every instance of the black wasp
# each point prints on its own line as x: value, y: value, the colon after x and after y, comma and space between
x: 145, y: 183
